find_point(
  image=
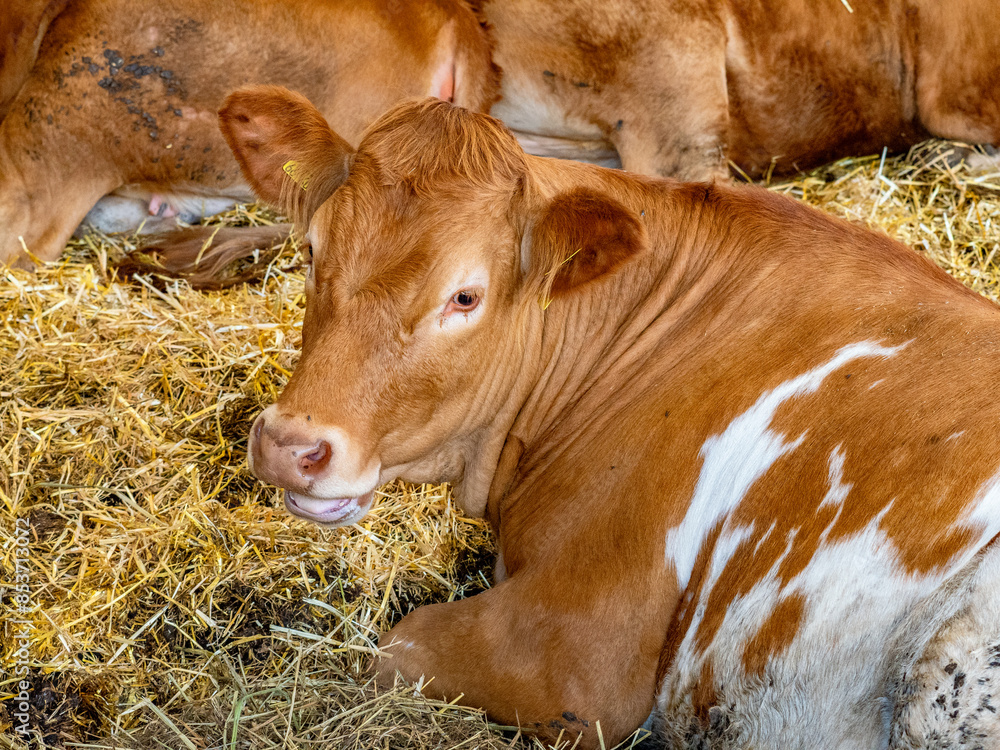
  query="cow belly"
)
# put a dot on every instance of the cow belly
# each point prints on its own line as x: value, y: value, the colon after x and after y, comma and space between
x: 531, y: 106
x: 855, y: 670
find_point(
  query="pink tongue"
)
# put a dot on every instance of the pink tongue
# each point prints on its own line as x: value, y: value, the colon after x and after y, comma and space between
x: 321, y: 507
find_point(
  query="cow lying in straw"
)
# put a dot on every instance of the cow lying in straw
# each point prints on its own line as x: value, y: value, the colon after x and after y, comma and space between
x: 123, y: 95
x: 726, y: 442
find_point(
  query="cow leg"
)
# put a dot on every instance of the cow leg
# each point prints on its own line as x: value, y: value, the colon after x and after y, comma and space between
x: 670, y: 114
x: 649, y: 80
x: 958, y: 69
x: 536, y: 654
x: 23, y: 23
x: 91, y: 119
x: 46, y: 189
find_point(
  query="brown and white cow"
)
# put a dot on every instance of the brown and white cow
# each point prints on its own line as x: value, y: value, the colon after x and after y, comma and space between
x: 124, y: 95
x: 741, y: 457
x: 668, y: 88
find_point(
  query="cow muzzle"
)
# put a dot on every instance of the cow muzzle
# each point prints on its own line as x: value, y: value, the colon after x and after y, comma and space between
x: 315, y: 467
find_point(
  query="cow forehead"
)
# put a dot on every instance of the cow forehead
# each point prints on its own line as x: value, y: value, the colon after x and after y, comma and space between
x: 371, y: 237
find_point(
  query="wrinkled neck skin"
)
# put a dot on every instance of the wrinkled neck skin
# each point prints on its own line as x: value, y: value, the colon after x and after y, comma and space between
x: 586, y: 340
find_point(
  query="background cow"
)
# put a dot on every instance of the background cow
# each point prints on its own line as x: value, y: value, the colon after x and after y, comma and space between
x: 671, y: 88
x: 123, y: 99
x: 767, y: 510
x: 679, y: 88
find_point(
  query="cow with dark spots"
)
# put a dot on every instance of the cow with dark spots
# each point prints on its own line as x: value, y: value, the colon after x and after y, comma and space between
x: 679, y: 89
x: 713, y: 486
x: 123, y: 94
x: 668, y: 89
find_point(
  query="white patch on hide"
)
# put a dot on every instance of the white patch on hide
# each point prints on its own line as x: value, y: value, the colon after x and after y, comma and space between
x: 951, y: 697
x: 128, y: 209
x: 734, y: 460
x: 829, y: 677
x: 838, y: 491
x: 863, y: 618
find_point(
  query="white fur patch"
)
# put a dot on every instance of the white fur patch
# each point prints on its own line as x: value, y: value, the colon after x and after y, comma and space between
x: 128, y: 209
x: 838, y: 491
x: 951, y: 697
x: 830, y: 677
x: 865, y: 621
x: 734, y: 460
x: 985, y: 510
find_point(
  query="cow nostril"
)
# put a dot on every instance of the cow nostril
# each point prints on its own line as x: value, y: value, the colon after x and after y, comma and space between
x: 317, y: 459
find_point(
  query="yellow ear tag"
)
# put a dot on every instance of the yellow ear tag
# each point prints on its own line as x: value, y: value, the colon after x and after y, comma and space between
x: 294, y: 170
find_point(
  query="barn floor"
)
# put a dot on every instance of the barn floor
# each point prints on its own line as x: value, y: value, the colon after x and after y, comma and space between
x: 175, y: 604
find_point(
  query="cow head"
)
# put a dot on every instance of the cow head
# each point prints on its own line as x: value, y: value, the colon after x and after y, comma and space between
x: 433, y: 256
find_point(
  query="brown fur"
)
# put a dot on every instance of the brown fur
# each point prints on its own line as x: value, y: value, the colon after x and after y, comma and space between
x: 673, y: 89
x: 125, y: 93
x: 23, y: 24
x: 771, y: 85
x: 578, y: 428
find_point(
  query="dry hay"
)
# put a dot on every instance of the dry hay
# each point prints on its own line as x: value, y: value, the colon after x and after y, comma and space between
x: 176, y: 604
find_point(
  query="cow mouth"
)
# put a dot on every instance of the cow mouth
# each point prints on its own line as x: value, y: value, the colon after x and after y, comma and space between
x: 338, y: 511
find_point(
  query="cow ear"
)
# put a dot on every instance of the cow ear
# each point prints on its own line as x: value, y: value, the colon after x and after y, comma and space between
x: 580, y: 236
x: 285, y: 148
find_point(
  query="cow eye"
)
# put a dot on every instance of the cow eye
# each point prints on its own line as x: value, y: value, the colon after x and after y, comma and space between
x: 464, y: 301
x: 466, y: 298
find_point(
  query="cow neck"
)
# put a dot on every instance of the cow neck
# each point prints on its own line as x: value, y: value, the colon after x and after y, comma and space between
x: 595, y: 341
x: 477, y: 481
